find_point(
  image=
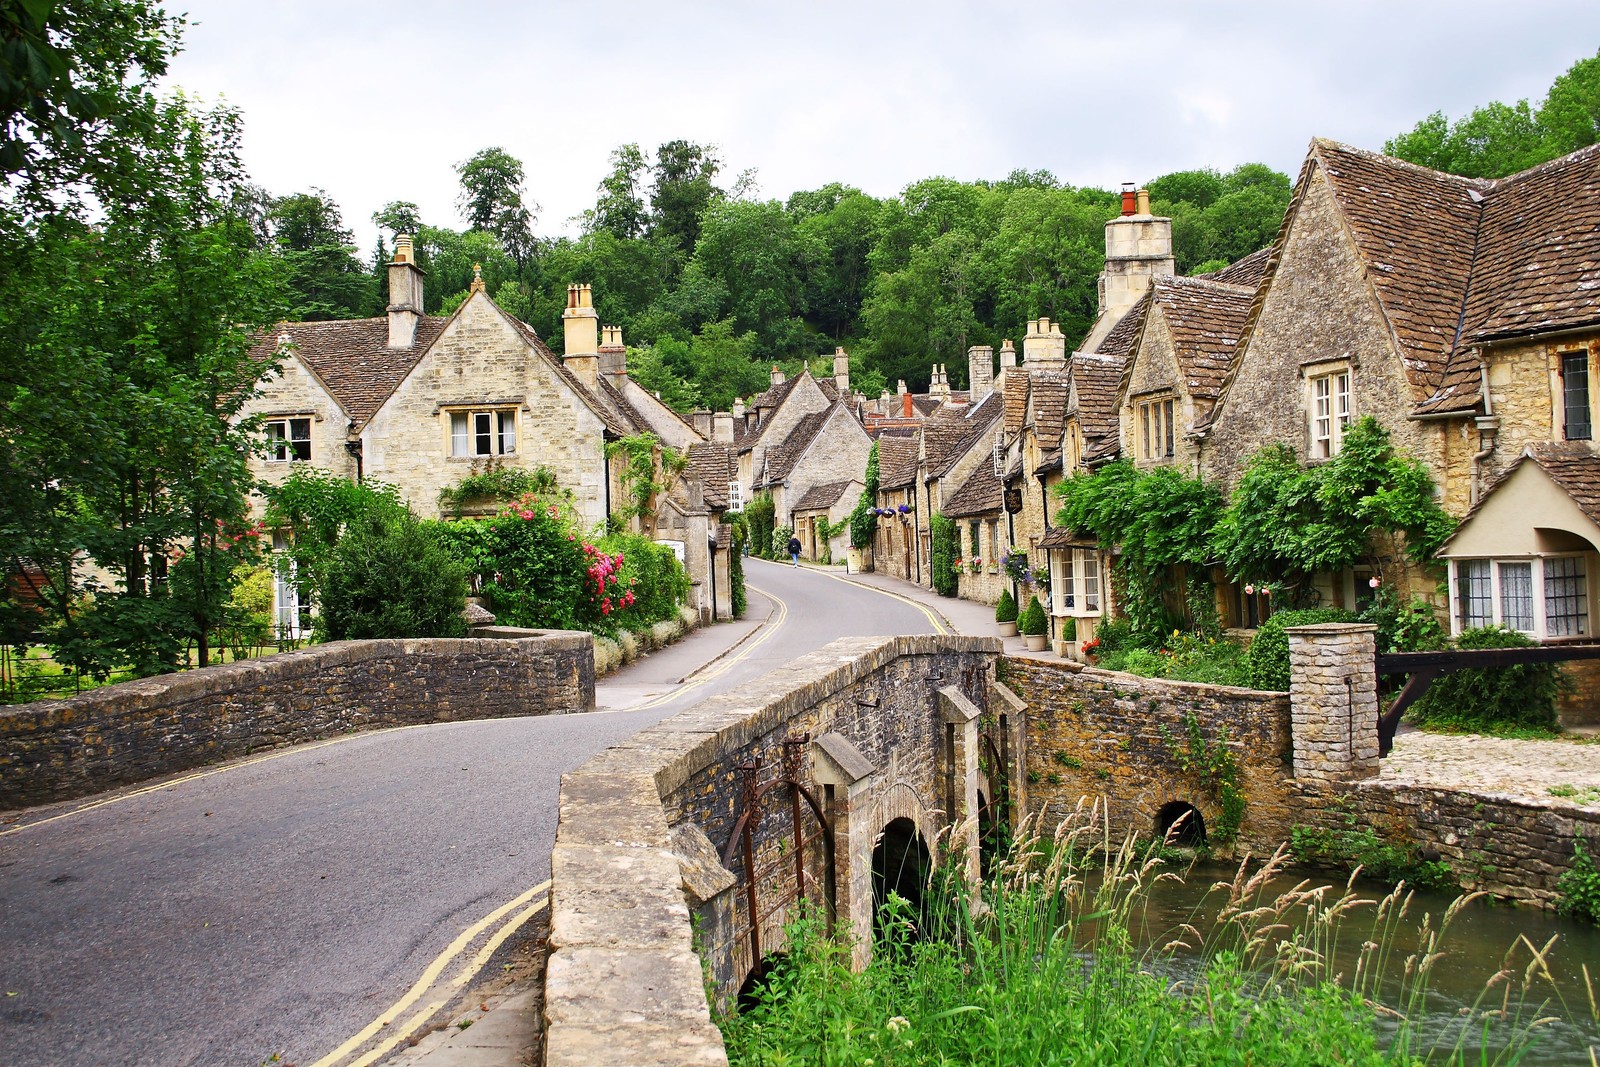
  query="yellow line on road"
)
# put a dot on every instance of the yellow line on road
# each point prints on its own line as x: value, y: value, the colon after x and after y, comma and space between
x: 768, y: 631
x: 169, y: 783
x: 430, y: 975
x: 938, y: 621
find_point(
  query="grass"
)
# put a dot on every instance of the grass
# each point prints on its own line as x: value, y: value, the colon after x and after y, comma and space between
x: 1578, y: 794
x: 1043, y: 970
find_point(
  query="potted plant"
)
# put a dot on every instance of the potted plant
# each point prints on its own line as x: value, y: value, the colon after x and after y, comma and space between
x: 1033, y: 625
x: 1005, y: 614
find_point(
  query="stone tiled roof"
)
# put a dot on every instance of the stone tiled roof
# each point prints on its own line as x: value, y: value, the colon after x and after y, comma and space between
x: 623, y: 406
x: 1576, y: 470
x: 980, y: 494
x: 949, y: 434
x: 781, y: 459
x: 898, y: 458
x: 1016, y: 400
x: 1416, y: 230
x: 1205, y: 319
x: 1120, y: 341
x: 616, y: 421
x: 1097, y: 383
x: 352, y: 358
x: 1248, y: 271
x: 1538, y: 266
x: 715, y: 465
x: 822, y: 497
x: 773, y: 398
x: 1049, y: 401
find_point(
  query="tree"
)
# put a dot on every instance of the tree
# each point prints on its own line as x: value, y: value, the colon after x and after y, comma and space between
x: 1570, y: 115
x: 492, y: 201
x: 685, y: 174
x: 620, y: 206
x: 399, y: 216
x: 325, y: 277
x: 75, y: 89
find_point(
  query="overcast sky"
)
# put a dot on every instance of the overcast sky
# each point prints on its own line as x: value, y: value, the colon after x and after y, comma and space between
x: 378, y: 101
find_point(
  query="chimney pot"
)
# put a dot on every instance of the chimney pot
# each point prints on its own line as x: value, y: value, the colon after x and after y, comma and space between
x: 906, y: 410
x: 405, y: 294
x: 1129, y: 199
x: 777, y: 374
x: 1143, y: 197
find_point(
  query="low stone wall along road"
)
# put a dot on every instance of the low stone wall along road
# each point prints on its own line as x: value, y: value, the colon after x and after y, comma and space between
x: 285, y: 903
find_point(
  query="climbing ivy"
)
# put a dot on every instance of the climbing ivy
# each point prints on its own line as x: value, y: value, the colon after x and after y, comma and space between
x: 1213, y: 762
x: 864, y: 518
x: 649, y: 470
x: 497, y: 484
x: 944, y: 542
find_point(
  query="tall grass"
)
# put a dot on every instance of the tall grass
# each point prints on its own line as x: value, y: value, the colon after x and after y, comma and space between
x: 1043, y: 968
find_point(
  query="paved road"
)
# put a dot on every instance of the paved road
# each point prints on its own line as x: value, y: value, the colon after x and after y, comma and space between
x: 284, y: 904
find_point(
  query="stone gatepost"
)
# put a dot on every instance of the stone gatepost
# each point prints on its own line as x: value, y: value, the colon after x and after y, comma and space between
x: 847, y: 779
x: 959, y: 717
x: 1333, y: 700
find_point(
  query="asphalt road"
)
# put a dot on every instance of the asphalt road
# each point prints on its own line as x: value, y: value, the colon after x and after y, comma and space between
x: 283, y: 905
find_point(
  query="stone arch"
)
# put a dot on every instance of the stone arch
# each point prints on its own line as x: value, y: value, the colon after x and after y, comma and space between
x: 1180, y: 823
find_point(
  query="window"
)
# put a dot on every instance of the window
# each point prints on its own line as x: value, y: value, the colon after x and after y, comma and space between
x: 974, y: 540
x: 1543, y: 597
x: 483, y: 433
x: 1330, y: 413
x: 289, y: 440
x: 1575, y: 395
x: 1075, y: 581
x: 735, y: 496
x: 1157, y: 438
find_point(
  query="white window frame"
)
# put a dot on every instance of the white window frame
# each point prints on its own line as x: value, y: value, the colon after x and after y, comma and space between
x: 735, y: 496
x: 1538, y: 578
x: 1330, y: 408
x: 465, y: 432
x: 282, y: 439
x: 1077, y: 583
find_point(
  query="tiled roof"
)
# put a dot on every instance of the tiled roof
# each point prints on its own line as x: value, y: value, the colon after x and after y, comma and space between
x: 715, y: 465
x: 1248, y: 271
x: 821, y: 497
x: 1416, y: 231
x: 1538, y: 266
x: 782, y: 458
x: 1573, y: 466
x: 622, y: 405
x: 1120, y: 341
x: 773, y: 398
x: 1016, y: 400
x: 949, y: 434
x: 1049, y: 461
x: 1065, y: 537
x: 1050, y: 403
x: 897, y: 461
x: 1097, y: 382
x: 980, y: 494
x: 925, y: 404
x: 1205, y: 319
x: 615, y: 421
x: 352, y: 358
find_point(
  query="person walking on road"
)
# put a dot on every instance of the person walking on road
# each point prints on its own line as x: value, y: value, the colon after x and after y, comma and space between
x: 794, y: 550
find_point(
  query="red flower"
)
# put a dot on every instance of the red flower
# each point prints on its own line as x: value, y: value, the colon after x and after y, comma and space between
x: 525, y: 515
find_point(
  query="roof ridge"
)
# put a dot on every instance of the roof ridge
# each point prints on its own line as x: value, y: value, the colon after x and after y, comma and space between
x: 1405, y: 164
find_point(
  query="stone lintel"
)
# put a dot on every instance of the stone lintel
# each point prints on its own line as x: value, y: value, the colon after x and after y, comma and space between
x: 835, y: 761
x: 954, y: 707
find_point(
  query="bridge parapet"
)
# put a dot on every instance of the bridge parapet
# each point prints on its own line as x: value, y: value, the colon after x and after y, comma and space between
x: 735, y: 812
x: 1333, y: 700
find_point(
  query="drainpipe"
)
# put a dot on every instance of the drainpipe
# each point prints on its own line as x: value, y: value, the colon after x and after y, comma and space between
x: 916, y: 537
x: 711, y: 548
x: 354, y: 448
x: 605, y: 480
x: 1488, y: 429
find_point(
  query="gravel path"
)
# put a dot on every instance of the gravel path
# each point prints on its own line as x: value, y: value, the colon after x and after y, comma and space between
x: 1490, y: 764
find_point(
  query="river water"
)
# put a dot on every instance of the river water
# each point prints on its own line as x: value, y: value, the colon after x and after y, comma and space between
x: 1483, y: 938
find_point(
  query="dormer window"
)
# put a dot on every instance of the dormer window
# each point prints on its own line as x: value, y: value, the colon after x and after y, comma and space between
x: 1153, y: 422
x: 483, y: 433
x: 1329, y: 411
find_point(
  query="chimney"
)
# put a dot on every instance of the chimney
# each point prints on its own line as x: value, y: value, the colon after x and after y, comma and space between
x: 939, y: 387
x: 580, y: 335
x: 841, y: 371
x: 613, y: 353
x: 1044, y: 347
x: 902, y: 386
x: 738, y: 409
x: 1008, y: 354
x: 777, y: 374
x: 906, y: 410
x: 1129, y: 200
x: 405, y: 293
x: 1138, y: 250
x: 980, y: 373
x: 700, y: 419
x: 722, y: 428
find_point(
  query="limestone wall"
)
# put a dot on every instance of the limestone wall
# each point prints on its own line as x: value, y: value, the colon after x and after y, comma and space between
x: 644, y: 826
x: 59, y: 749
x: 1156, y: 375
x: 294, y: 392
x: 1119, y: 737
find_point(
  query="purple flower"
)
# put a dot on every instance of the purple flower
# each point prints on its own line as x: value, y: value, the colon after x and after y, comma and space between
x: 905, y: 509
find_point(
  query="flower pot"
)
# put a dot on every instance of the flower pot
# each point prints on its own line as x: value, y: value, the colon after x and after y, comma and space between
x: 1007, y: 629
x: 1036, y: 642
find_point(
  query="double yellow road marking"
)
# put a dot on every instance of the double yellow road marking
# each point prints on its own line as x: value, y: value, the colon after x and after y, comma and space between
x: 428, y: 983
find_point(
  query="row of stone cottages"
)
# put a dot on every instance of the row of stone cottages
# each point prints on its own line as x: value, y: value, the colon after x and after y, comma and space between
x: 1460, y: 313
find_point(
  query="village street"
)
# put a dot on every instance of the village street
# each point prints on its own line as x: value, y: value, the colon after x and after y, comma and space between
x: 289, y: 903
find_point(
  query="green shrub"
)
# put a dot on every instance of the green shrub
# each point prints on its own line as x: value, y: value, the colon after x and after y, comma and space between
x: 1115, y: 635
x: 1350, y: 845
x: 759, y: 516
x: 654, y: 577
x: 1267, y: 661
x: 1006, y: 610
x: 1032, y: 621
x: 389, y: 576
x: 531, y: 566
x: 1519, y: 699
x: 943, y: 546
x: 1580, y: 885
x: 780, y: 541
x: 741, y: 537
x: 1409, y: 627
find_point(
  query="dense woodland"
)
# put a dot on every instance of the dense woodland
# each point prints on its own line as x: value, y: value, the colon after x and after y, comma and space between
x: 138, y: 262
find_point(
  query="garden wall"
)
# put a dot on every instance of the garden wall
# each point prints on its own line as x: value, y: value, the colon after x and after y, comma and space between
x: 55, y: 750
